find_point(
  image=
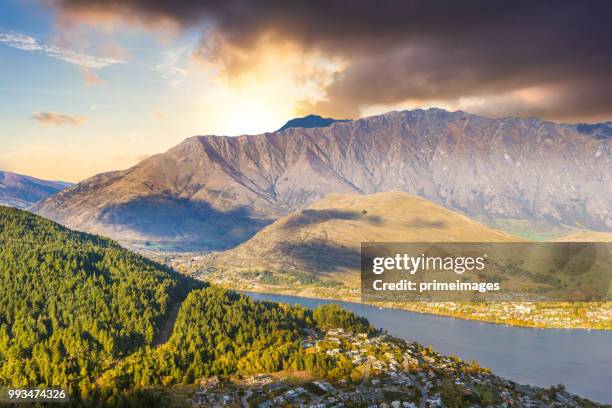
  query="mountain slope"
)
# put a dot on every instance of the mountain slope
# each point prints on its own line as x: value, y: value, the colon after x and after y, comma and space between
x: 213, y: 191
x: 79, y: 311
x: 71, y: 303
x: 21, y: 191
x: 325, y: 239
x: 585, y: 236
x: 219, y: 332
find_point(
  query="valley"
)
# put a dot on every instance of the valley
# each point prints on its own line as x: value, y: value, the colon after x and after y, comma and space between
x: 113, y: 358
x: 282, y: 213
x: 316, y: 253
x: 285, y: 212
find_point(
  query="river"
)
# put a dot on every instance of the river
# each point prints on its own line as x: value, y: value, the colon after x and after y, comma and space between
x: 579, y: 359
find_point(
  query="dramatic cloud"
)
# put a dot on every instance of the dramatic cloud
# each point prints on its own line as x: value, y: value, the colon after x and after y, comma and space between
x: 52, y: 118
x: 28, y: 43
x: 548, y: 58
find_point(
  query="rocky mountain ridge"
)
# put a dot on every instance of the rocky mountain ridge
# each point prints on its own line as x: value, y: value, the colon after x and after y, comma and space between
x: 216, y: 191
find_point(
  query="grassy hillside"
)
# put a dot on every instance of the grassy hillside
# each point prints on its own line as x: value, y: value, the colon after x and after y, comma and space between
x: 325, y: 239
x: 72, y: 303
x: 585, y: 236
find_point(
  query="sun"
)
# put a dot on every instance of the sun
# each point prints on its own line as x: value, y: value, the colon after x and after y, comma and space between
x: 264, y: 90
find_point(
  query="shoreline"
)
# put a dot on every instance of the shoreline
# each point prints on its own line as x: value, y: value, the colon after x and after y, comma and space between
x: 270, y: 291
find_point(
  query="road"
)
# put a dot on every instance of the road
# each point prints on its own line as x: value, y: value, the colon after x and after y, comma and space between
x: 244, y: 399
x: 422, y: 390
x: 418, y: 386
x: 424, y: 395
x: 366, y: 374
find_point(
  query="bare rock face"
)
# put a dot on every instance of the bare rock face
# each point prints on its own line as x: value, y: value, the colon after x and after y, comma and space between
x: 213, y: 191
x: 21, y: 191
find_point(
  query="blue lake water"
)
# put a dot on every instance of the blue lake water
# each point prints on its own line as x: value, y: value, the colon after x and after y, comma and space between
x: 579, y: 359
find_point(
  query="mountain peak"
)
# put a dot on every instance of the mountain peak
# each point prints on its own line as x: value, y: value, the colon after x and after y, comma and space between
x: 310, y: 121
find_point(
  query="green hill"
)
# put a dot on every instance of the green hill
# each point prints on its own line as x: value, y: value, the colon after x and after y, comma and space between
x: 80, y: 311
x: 72, y: 303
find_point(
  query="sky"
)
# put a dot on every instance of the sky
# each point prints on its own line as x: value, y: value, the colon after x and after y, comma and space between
x: 96, y: 85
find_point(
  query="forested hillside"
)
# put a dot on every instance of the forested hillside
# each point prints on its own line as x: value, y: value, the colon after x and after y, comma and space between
x: 219, y: 332
x: 80, y: 311
x: 73, y: 303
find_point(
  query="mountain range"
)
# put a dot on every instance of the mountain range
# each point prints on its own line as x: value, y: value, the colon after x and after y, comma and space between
x: 216, y: 191
x: 21, y: 191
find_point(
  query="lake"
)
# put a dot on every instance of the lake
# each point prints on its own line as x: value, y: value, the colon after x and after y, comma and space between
x: 579, y: 359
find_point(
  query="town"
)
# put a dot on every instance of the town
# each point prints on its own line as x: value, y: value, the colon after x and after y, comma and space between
x: 387, y: 373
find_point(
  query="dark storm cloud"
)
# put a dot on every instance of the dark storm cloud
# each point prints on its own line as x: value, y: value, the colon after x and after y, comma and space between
x: 419, y: 50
